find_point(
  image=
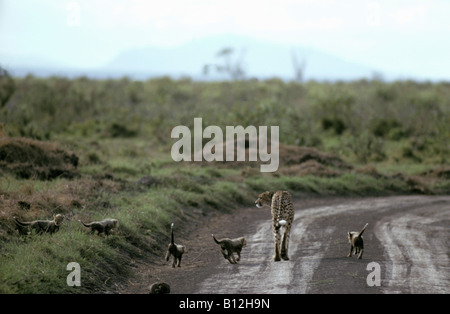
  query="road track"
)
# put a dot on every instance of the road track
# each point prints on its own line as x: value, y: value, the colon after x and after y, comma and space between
x: 408, y: 236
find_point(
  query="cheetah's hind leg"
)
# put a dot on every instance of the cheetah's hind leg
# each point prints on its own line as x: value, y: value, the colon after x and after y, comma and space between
x: 284, y: 246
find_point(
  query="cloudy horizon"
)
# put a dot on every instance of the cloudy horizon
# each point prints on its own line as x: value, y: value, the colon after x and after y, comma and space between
x: 407, y: 37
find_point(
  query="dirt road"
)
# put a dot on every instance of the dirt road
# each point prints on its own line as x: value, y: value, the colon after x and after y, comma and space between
x: 408, y: 237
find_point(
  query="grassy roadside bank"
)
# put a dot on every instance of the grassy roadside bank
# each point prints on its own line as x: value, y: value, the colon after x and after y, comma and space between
x: 94, y: 149
x: 146, y: 195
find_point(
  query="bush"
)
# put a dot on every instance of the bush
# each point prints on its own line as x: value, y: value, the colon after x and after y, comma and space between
x: 335, y: 124
x: 119, y: 130
x: 383, y: 127
x: 28, y: 158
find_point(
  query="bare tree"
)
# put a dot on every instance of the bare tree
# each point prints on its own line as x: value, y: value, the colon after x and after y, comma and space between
x: 233, y: 68
x: 299, y: 67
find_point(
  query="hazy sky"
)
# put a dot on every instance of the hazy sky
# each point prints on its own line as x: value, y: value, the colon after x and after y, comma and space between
x: 405, y: 35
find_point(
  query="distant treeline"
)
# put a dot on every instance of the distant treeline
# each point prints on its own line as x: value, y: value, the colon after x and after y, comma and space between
x: 363, y: 120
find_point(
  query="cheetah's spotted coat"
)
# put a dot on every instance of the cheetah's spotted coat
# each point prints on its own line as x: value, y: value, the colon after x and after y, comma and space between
x: 282, y: 216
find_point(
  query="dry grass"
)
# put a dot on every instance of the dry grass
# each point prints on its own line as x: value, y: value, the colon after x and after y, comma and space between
x: 310, y: 167
x: 27, y: 158
x: 292, y: 160
x: 31, y: 200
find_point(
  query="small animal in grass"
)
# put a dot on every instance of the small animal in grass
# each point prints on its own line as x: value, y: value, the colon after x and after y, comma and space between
x: 356, y: 242
x: 104, y: 226
x: 40, y: 226
x: 230, y: 246
x: 176, y: 250
x: 159, y: 288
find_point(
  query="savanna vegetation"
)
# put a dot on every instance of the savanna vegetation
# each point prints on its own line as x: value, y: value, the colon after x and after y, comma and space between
x: 91, y: 149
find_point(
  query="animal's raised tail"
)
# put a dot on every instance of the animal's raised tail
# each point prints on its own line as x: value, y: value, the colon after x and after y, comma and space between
x: 171, y: 231
x: 215, y: 240
x: 86, y: 225
x: 24, y: 224
x: 362, y: 230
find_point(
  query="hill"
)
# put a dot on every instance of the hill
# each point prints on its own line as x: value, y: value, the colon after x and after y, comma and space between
x: 258, y: 59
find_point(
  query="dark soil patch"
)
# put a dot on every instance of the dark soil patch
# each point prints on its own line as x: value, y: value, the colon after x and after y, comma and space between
x: 441, y: 173
x: 293, y: 160
x: 27, y: 158
x: 294, y: 155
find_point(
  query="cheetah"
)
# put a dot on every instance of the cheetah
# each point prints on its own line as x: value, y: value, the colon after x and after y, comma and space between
x: 230, y: 246
x: 282, y: 216
x: 356, y: 242
x: 106, y: 225
x: 41, y: 226
x: 177, y: 250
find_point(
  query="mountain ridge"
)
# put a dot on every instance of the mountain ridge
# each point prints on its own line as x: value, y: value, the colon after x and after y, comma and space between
x: 255, y: 58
